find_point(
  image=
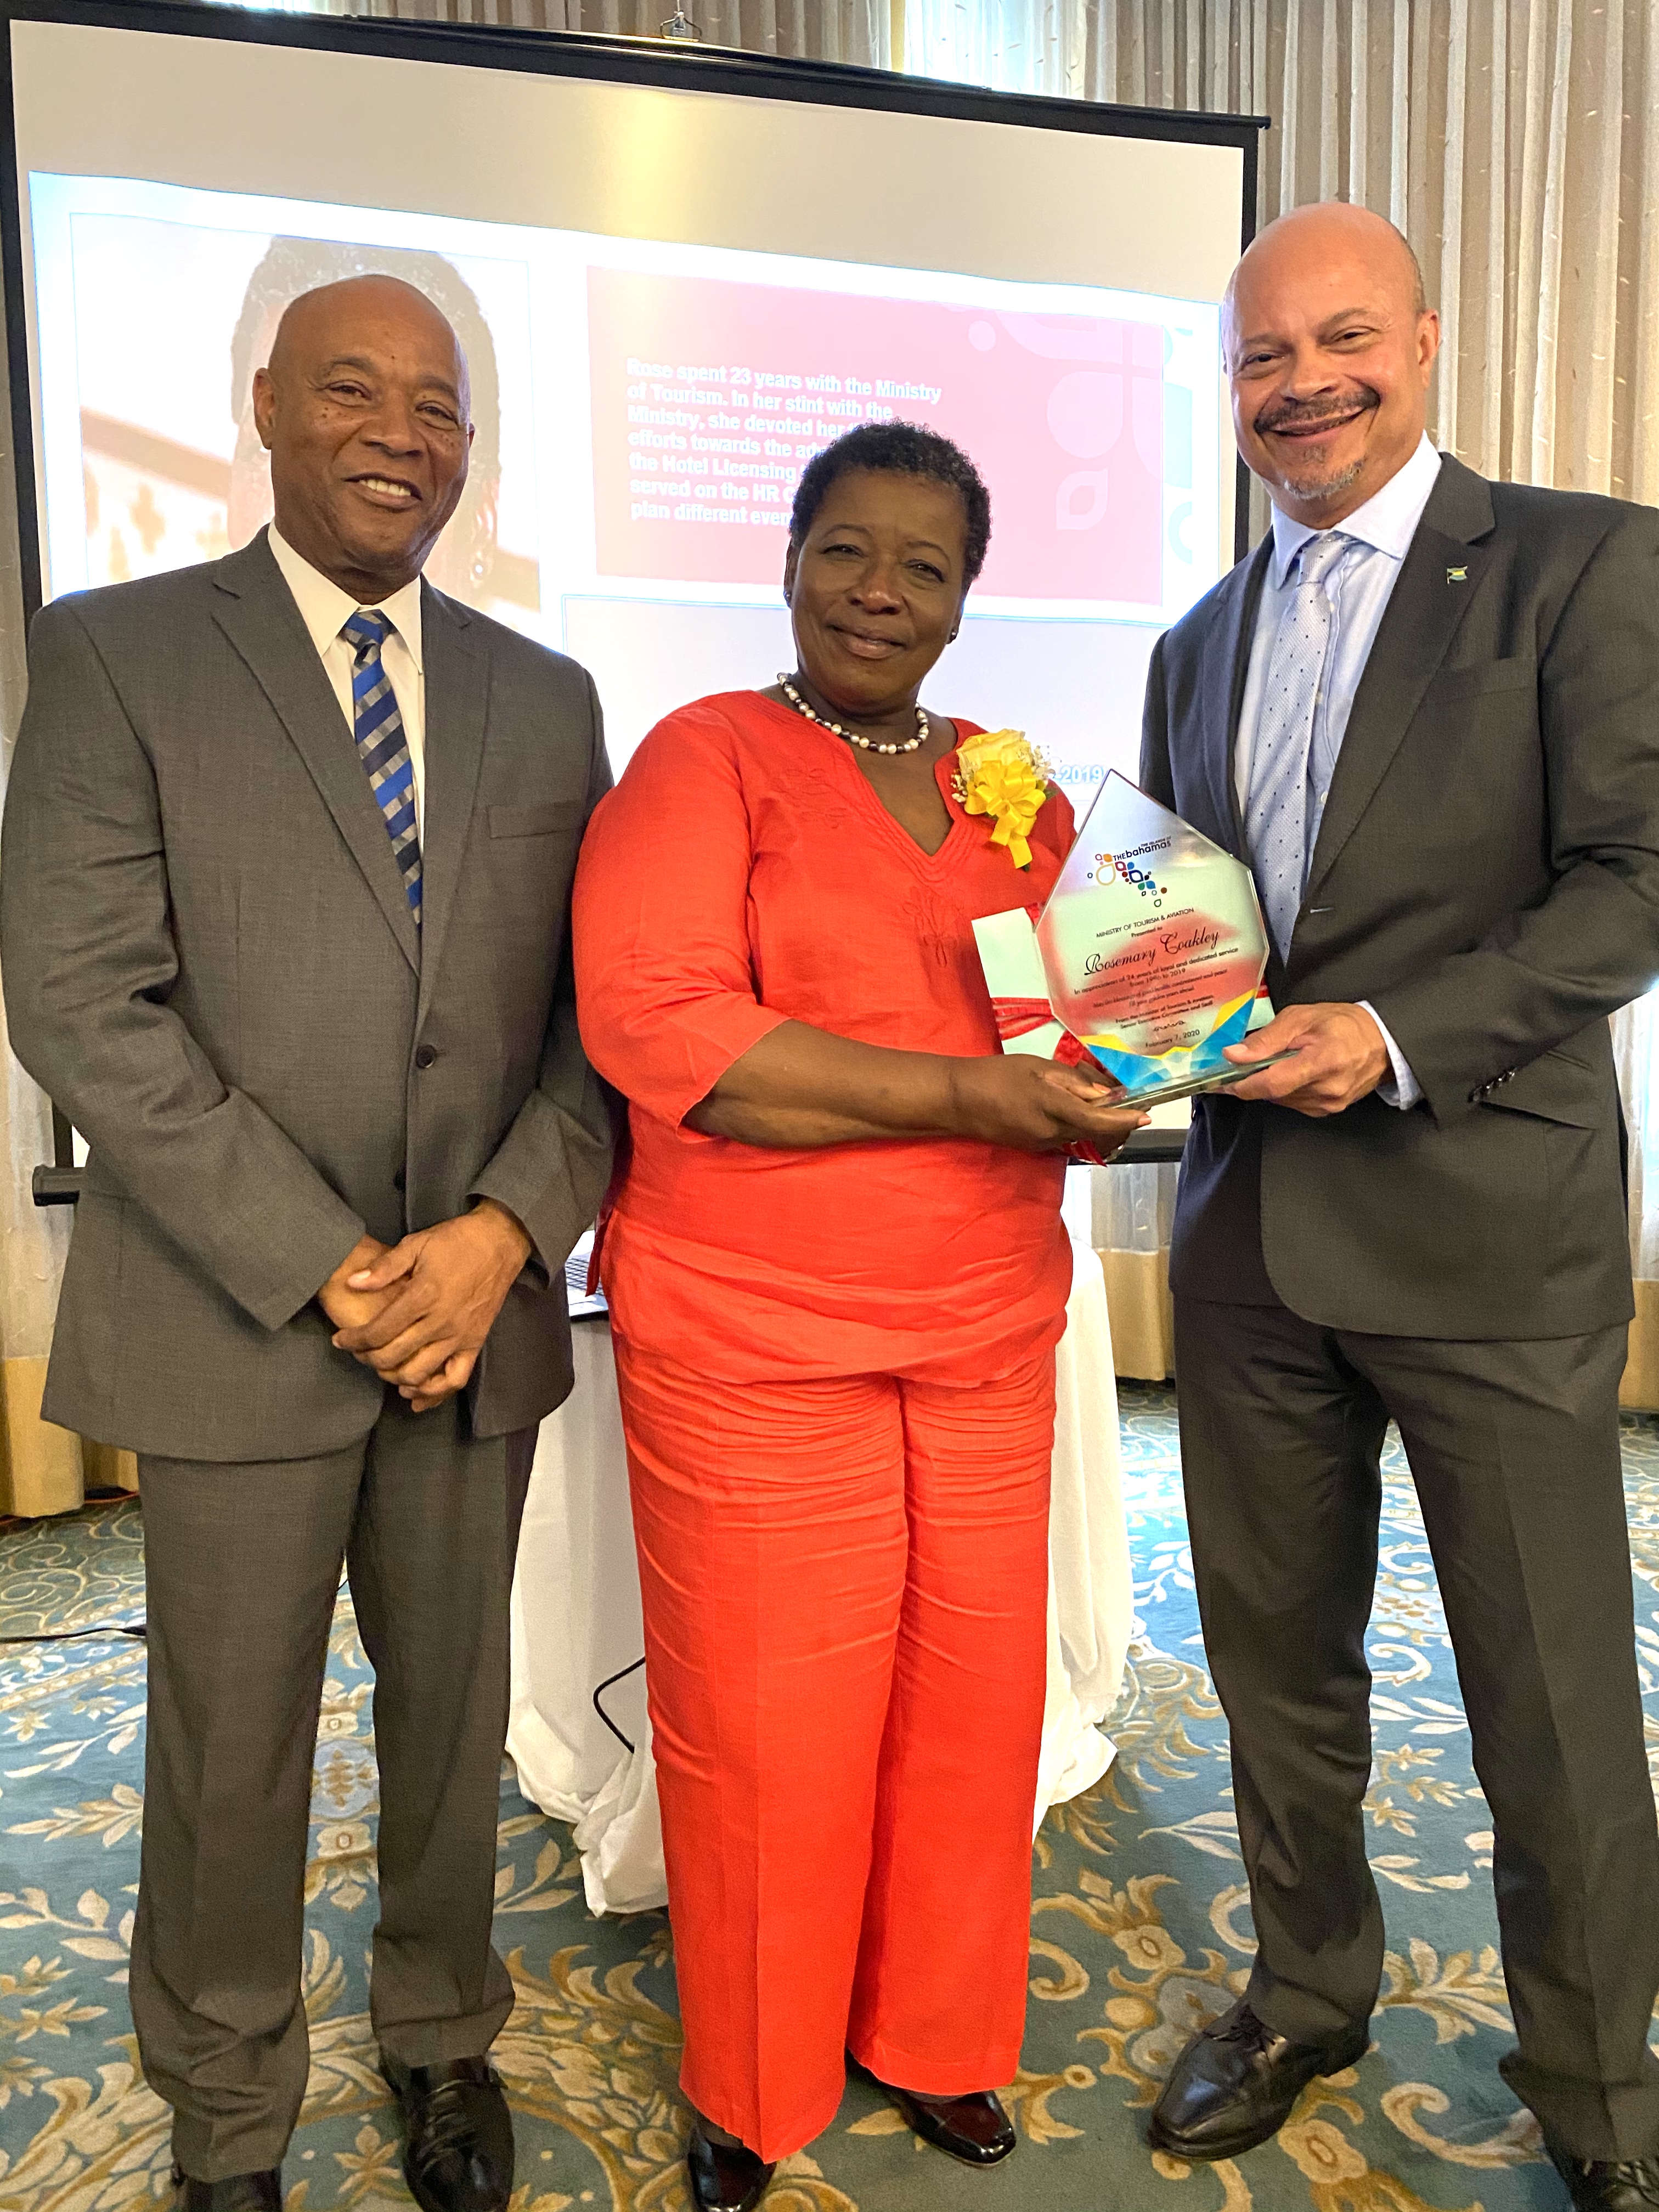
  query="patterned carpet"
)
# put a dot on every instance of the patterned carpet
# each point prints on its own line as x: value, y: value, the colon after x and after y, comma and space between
x: 1140, y: 1929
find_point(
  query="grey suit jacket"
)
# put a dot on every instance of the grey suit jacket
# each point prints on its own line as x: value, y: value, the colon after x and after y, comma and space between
x: 210, y: 963
x: 1486, y: 874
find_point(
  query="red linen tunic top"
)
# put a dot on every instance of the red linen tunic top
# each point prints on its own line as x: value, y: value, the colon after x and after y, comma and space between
x: 744, y: 873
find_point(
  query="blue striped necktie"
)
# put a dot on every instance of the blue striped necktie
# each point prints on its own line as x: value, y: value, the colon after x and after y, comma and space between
x: 1276, y: 807
x: 383, y: 745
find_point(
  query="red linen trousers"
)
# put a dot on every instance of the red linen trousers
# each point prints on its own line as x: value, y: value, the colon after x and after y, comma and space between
x: 836, y: 1373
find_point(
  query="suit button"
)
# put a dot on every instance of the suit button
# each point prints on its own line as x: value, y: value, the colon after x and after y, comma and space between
x: 398, y: 1180
x: 425, y: 1054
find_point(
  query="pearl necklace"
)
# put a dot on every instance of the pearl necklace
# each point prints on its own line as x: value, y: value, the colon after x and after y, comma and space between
x: 924, y: 728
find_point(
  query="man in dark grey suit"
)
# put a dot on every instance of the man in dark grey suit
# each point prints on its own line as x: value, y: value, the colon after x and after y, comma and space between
x: 287, y: 853
x: 1426, y: 710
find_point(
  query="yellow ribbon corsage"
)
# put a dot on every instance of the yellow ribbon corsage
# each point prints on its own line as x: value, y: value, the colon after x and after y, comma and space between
x: 1002, y: 774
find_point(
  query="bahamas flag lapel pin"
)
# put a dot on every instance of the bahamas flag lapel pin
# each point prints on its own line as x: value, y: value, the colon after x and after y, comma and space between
x: 1457, y: 576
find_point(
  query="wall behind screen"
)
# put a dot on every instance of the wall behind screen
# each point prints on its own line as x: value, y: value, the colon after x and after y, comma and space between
x: 922, y: 192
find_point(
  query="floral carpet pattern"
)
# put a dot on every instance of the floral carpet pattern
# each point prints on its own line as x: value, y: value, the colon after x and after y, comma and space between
x: 1140, y: 1931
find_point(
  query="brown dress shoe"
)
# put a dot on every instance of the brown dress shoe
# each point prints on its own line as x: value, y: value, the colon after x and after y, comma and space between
x: 724, y: 2177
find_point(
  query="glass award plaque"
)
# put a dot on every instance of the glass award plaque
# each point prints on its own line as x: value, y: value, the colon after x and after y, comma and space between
x: 1151, y: 950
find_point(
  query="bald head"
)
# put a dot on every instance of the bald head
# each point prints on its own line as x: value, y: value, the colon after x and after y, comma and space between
x: 1317, y: 236
x: 318, y: 320
x: 1329, y: 346
x: 365, y: 411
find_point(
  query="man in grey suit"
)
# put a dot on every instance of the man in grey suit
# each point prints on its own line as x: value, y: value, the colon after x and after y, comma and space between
x: 1426, y: 710
x: 287, y: 853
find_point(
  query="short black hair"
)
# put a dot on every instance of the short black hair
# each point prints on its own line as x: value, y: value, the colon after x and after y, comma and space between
x: 905, y: 449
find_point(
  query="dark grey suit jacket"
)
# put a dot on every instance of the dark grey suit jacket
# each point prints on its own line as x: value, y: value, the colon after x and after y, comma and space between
x: 1486, y: 874
x: 210, y: 963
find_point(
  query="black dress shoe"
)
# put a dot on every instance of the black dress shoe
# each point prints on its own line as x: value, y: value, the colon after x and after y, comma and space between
x: 724, y: 2177
x: 458, y: 2133
x: 1233, y: 2086
x: 237, y: 2192
x: 1608, y: 2185
x: 973, y: 2128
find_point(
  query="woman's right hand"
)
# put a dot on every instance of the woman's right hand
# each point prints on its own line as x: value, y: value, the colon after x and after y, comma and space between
x: 1036, y: 1106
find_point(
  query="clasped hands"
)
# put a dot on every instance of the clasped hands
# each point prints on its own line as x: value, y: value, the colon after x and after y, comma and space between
x: 418, y: 1311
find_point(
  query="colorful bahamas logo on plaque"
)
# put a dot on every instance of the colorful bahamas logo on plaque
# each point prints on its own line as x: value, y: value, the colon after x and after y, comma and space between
x: 1148, y: 954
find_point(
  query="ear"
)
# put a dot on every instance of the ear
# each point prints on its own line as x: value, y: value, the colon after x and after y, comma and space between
x: 791, y: 562
x: 265, y: 406
x: 1428, y: 341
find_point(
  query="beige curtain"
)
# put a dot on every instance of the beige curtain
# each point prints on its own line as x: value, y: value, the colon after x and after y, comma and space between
x: 1517, y: 145
x: 822, y: 30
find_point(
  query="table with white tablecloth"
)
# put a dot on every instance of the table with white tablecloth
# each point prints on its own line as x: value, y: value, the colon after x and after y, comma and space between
x: 576, y: 1627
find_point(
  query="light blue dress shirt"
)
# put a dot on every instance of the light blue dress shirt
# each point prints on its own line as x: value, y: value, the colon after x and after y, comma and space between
x: 1358, y: 587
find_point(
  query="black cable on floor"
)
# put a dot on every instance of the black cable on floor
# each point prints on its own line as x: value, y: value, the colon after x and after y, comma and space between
x: 621, y: 1676
x: 141, y: 1628
x: 138, y: 1628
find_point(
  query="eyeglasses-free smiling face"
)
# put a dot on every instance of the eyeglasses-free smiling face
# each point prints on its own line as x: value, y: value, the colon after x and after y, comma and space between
x: 876, y: 590
x: 364, y: 408
x: 1329, y: 350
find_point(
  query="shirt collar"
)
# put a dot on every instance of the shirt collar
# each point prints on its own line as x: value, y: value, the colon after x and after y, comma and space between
x: 323, y: 606
x: 1388, y: 521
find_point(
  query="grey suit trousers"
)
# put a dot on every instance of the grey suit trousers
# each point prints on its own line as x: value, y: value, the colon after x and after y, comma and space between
x: 1514, y: 1449
x: 242, y: 1564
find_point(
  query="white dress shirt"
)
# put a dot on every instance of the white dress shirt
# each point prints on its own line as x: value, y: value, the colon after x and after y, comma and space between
x: 324, y: 607
x: 1358, y: 587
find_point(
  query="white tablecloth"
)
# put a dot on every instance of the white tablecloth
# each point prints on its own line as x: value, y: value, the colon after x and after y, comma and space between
x: 576, y: 1608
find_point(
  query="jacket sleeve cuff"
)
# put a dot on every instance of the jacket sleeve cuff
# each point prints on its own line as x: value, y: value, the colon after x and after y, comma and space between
x: 549, y: 1172
x: 274, y: 1304
x: 1400, y: 1087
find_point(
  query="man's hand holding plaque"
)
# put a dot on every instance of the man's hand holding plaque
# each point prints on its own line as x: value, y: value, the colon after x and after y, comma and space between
x: 1146, y: 960
x: 1316, y: 1059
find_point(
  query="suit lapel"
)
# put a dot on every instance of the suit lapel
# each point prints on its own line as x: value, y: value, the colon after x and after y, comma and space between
x: 1226, y: 661
x: 457, y: 696
x: 1438, y: 581
x: 256, y: 612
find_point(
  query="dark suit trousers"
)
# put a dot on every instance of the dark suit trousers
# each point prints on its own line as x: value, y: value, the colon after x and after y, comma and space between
x: 1514, y: 1449
x: 242, y: 1564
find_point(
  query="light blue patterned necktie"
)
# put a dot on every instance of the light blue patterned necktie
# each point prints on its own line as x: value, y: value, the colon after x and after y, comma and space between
x: 383, y: 745
x: 1276, y: 808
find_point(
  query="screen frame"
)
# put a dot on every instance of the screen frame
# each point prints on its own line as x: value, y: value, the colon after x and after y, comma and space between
x: 673, y: 64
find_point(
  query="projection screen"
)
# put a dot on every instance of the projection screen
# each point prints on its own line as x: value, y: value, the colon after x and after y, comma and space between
x: 677, y: 275
x: 677, y: 272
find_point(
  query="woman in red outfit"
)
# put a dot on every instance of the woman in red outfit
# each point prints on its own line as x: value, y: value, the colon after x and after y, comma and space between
x: 838, y: 1274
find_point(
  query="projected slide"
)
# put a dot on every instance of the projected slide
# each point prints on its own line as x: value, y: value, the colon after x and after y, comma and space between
x: 644, y: 410
x: 707, y: 396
